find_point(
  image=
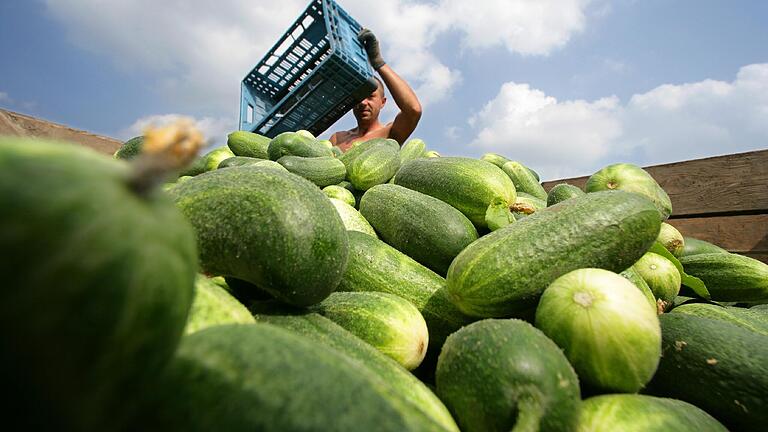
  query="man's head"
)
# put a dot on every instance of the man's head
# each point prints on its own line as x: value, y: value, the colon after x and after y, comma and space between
x: 368, y: 109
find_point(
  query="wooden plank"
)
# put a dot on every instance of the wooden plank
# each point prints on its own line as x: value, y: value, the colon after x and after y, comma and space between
x: 12, y: 123
x: 730, y: 183
x: 740, y: 234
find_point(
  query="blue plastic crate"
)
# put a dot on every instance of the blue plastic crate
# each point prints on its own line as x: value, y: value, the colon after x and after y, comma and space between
x: 310, y: 78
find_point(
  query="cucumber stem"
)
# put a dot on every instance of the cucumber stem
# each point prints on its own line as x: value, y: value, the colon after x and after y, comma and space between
x: 529, y: 414
x: 165, y: 150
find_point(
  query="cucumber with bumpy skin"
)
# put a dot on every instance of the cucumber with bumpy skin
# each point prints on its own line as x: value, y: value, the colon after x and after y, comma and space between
x: 389, y: 323
x: 729, y: 277
x: 352, y: 219
x: 524, y: 180
x: 469, y: 185
x: 375, y: 266
x: 505, y: 272
x: 715, y: 365
x: 243, y: 143
x: 501, y: 375
x: 213, y: 305
x: 322, y: 171
x: 631, y: 178
x: 251, y: 221
x: 562, y: 192
x: 373, y: 167
x: 694, y: 246
x: 340, y: 193
x: 422, y: 227
x: 641, y: 413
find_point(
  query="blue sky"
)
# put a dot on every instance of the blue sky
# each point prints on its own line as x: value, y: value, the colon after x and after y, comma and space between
x: 564, y: 86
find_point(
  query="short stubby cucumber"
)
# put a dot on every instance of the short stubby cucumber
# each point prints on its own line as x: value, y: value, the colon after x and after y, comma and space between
x: 671, y: 239
x: 633, y: 276
x: 373, y: 167
x: 376, y: 266
x: 561, y: 192
x: 631, y: 178
x: 662, y: 278
x: 469, y: 185
x: 389, y: 323
x: 322, y: 171
x: 271, y: 228
x: 642, y: 413
x: 412, y: 149
x: 605, y: 327
x: 238, y: 161
x: 505, y: 272
x: 243, y: 143
x: 295, y: 144
x: 502, y: 375
x: 418, y: 225
x: 495, y: 159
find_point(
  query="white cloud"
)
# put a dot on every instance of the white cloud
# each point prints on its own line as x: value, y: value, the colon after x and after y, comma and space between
x: 533, y: 27
x: 214, y: 130
x: 668, y: 123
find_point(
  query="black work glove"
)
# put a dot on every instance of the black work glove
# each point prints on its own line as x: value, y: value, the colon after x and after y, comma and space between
x: 371, y: 45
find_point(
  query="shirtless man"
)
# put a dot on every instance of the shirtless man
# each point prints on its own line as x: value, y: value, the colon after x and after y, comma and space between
x: 367, y: 111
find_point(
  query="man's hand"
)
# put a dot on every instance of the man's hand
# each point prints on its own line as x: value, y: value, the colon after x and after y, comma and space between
x: 371, y: 45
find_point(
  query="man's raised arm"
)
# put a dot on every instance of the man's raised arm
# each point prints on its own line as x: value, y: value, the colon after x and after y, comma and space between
x: 410, y: 109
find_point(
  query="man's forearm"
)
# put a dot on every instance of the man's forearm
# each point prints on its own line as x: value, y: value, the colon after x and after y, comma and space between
x: 404, y: 97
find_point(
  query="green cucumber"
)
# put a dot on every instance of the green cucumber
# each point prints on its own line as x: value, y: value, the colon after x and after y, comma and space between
x: 502, y: 375
x: 498, y: 214
x: 641, y: 413
x: 745, y: 318
x: 662, y: 278
x: 373, y: 167
x: 361, y: 147
x: 375, y: 266
x: 213, y: 305
x: 322, y: 171
x: 389, y: 323
x: 352, y: 219
x: 469, y: 185
x: 266, y: 378
x: 340, y: 193
x: 729, y: 277
x: 422, y: 227
x: 671, y: 239
x: 130, y: 149
x: 295, y: 144
x: 248, y: 144
x: 605, y: 327
x: 633, y: 276
x: 214, y: 157
x: 337, y: 152
x: 412, y: 149
x: 269, y: 164
x: 98, y: 277
x: 631, y: 178
x: 252, y: 221
x: 524, y: 180
x: 238, y: 161
x: 561, y: 192
x: 495, y: 159
x: 694, y: 246
x: 505, y: 272
x: 717, y: 366
x: 431, y: 154
x: 404, y: 385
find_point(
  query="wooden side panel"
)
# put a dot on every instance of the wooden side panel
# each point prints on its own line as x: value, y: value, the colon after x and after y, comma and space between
x: 731, y: 183
x: 16, y: 124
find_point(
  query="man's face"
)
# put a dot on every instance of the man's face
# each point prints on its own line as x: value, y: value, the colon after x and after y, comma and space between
x: 369, y: 108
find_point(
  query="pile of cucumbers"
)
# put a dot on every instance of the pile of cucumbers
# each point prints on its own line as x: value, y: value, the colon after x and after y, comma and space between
x: 281, y: 285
